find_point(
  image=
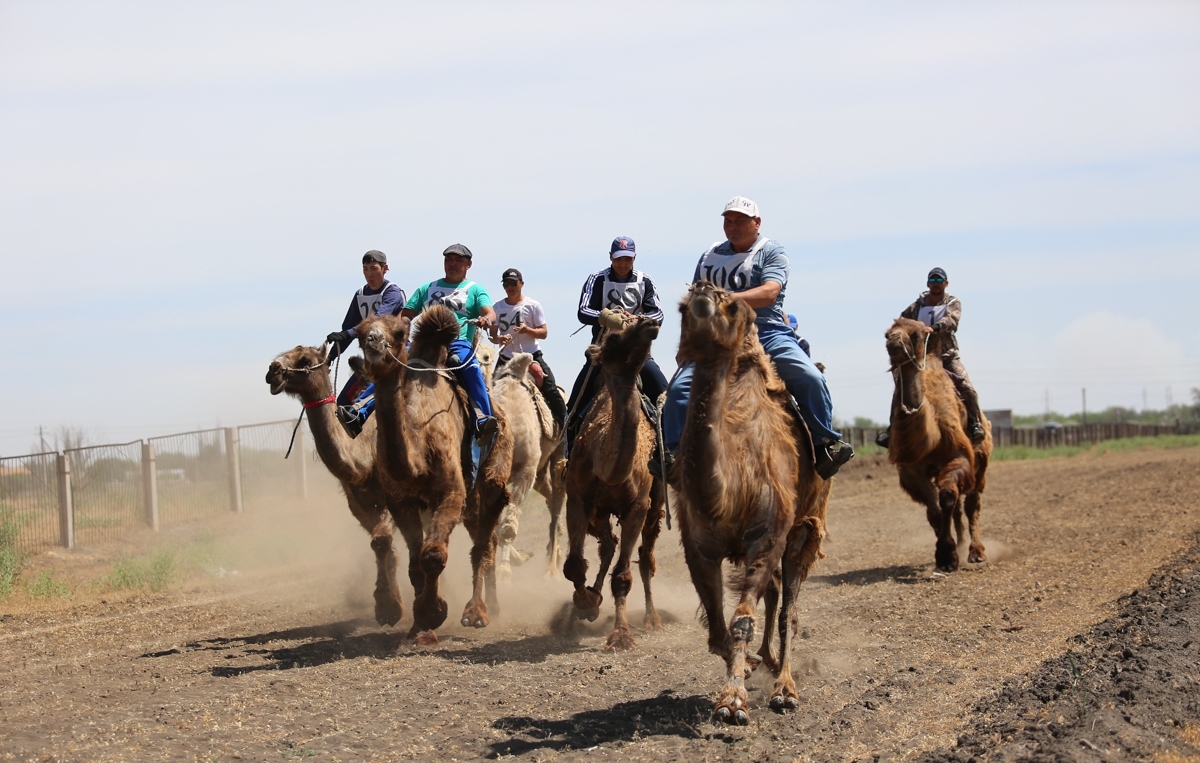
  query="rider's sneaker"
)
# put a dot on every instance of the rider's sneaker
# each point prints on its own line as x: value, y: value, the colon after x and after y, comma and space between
x: 977, y: 434
x: 485, y: 435
x: 884, y: 437
x: 351, y: 418
x: 661, y: 467
x: 832, y: 457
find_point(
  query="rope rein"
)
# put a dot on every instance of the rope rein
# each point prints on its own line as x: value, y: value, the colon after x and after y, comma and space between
x: 895, y: 370
x: 305, y: 406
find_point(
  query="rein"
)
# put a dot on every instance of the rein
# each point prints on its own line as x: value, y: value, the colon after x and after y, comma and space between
x: 895, y: 371
x: 317, y: 403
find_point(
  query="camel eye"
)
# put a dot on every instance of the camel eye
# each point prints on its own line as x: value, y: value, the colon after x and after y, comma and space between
x: 303, y: 363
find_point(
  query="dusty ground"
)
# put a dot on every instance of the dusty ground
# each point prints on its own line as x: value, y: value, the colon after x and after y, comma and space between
x: 1061, y: 647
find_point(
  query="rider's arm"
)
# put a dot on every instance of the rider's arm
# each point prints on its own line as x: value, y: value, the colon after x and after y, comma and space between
x: 589, y: 300
x: 760, y: 296
x: 949, y: 322
x: 393, y: 300
x: 651, y: 307
x: 775, y: 270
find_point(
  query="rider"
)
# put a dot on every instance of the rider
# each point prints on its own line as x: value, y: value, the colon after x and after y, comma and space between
x: 520, y: 323
x: 379, y: 297
x: 942, y: 312
x: 467, y: 300
x: 617, y: 287
x: 755, y: 269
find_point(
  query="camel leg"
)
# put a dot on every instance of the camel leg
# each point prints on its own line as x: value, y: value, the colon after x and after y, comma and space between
x: 429, y: 608
x: 923, y: 491
x: 622, y: 577
x: 492, y: 498
x: 587, y: 601
x: 556, y: 496
x: 973, y: 505
x: 608, y: 547
x: 409, y: 523
x: 510, y: 519
x: 804, y: 548
x: 389, y: 606
x: 771, y: 598
x: 647, y: 564
x: 948, y: 482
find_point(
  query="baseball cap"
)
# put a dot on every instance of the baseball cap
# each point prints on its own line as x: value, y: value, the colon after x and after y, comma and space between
x: 741, y: 205
x: 458, y: 249
x: 622, y: 246
x: 512, y: 274
x: 375, y: 256
x: 937, y: 272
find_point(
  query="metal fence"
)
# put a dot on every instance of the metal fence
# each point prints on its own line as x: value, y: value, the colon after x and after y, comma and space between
x: 104, y: 492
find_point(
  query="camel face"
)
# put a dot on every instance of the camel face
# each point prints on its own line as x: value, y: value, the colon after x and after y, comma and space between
x: 289, y: 372
x: 382, y: 342
x: 624, y: 352
x: 712, y: 316
x: 908, y: 342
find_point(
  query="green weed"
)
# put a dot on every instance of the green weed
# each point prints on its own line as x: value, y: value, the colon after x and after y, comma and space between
x: 1165, y: 442
x: 10, y: 569
x: 46, y: 586
x: 154, y: 572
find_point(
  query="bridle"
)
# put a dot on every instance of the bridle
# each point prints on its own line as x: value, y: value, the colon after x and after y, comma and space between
x: 895, y: 371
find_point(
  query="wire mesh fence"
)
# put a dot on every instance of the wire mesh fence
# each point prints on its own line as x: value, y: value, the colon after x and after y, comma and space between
x: 29, y: 515
x: 267, y: 477
x: 106, y: 490
x: 192, y: 474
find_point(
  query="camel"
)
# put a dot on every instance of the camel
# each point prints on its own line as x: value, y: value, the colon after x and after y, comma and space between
x: 608, y: 476
x: 748, y: 492
x: 424, y: 435
x: 938, y: 465
x: 303, y: 373
x: 538, y: 460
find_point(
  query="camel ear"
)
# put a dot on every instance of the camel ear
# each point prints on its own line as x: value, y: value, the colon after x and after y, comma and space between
x: 356, y: 363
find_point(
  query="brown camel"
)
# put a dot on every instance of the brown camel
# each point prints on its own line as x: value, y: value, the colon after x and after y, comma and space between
x: 425, y: 432
x: 608, y: 476
x: 938, y: 465
x: 748, y: 492
x: 303, y: 373
x: 538, y: 460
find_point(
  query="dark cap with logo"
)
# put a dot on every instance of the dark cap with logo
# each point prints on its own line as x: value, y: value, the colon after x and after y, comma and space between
x: 513, y: 275
x: 622, y: 246
x: 937, y: 272
x: 375, y: 256
x: 458, y: 249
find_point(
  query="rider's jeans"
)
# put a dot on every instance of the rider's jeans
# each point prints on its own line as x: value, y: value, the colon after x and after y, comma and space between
x: 800, y: 375
x: 470, y: 375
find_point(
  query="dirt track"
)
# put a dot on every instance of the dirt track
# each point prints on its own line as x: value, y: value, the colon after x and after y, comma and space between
x: 1031, y: 656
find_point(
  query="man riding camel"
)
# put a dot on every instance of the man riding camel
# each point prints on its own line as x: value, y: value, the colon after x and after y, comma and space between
x: 379, y: 297
x: 520, y: 327
x: 468, y: 301
x: 755, y: 269
x: 942, y: 312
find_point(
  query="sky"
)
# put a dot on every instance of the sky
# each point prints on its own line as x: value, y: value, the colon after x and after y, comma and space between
x: 187, y: 189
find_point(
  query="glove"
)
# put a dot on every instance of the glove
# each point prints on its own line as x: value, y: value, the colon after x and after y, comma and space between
x: 338, y: 338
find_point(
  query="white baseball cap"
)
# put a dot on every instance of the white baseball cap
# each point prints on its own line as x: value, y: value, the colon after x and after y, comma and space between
x: 741, y: 205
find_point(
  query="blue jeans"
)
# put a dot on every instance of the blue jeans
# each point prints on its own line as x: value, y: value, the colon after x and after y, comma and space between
x: 801, y: 377
x: 471, y: 375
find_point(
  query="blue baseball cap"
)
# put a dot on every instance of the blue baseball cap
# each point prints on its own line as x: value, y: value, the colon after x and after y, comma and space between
x: 622, y: 246
x: 937, y: 272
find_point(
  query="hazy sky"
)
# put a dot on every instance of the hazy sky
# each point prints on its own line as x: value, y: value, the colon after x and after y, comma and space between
x: 187, y: 189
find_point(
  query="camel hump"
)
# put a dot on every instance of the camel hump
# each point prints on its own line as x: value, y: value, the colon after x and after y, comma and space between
x: 438, y: 325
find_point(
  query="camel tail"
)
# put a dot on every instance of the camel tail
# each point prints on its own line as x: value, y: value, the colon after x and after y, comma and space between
x: 438, y: 326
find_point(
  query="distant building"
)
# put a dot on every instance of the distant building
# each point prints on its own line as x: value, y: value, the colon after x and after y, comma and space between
x: 1001, y: 419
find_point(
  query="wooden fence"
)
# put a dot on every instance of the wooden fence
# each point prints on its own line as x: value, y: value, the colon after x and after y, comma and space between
x: 1052, y: 437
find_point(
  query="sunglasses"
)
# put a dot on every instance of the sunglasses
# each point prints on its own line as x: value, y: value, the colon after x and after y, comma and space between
x: 937, y: 279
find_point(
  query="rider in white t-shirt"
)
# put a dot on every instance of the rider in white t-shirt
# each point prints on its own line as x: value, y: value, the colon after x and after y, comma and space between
x: 520, y: 325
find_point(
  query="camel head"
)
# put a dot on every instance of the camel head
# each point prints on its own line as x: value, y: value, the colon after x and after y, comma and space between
x: 382, y: 340
x: 713, y: 320
x: 516, y: 368
x: 623, y: 353
x: 292, y: 372
x: 910, y: 341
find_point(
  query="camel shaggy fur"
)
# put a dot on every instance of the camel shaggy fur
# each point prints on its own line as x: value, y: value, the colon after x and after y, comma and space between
x: 425, y: 432
x: 303, y: 373
x: 538, y: 460
x: 938, y: 465
x: 748, y: 492
x: 608, y: 476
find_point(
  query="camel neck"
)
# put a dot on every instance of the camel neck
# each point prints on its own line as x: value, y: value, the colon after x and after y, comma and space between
x: 347, y: 458
x: 622, y: 436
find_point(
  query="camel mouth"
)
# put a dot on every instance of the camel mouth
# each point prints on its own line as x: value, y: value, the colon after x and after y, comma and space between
x: 275, y: 377
x: 702, y: 306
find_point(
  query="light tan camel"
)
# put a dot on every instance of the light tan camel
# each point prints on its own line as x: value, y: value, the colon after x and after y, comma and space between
x: 938, y: 465
x: 538, y: 460
x: 748, y: 492
x: 608, y: 476
x: 303, y: 373
x: 425, y: 432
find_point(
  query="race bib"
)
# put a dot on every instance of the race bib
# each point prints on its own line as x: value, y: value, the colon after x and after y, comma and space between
x: 730, y: 271
x: 508, y: 315
x: 627, y: 296
x: 455, y: 298
x: 932, y: 314
x: 368, y: 304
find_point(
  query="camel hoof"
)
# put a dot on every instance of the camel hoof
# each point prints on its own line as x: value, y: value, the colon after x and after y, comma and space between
x: 729, y: 716
x: 587, y: 614
x: 652, y: 622
x: 977, y: 557
x: 620, y: 641
x: 425, y: 638
x: 722, y: 715
x: 588, y: 602
x: 780, y: 703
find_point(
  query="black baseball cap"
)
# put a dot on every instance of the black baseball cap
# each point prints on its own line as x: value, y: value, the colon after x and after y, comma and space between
x: 937, y: 272
x: 512, y: 274
x: 458, y: 249
x: 375, y: 256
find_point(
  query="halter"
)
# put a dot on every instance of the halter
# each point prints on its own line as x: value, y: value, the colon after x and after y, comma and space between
x: 328, y: 347
x: 895, y: 371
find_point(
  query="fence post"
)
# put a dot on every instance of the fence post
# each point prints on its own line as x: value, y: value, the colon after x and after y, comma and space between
x: 301, y: 465
x: 66, y: 517
x: 150, y: 485
x: 233, y: 465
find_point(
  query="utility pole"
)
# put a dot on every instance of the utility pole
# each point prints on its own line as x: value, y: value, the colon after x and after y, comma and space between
x: 1085, y: 406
